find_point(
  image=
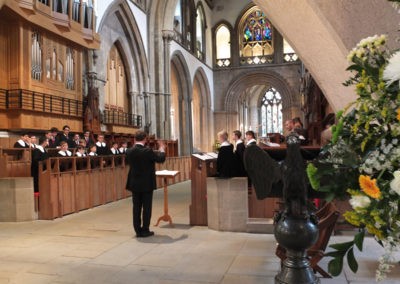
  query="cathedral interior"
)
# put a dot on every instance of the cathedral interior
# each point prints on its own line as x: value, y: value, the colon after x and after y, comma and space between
x: 182, y: 71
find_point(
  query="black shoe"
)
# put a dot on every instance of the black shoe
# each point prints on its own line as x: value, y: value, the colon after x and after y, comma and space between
x: 146, y: 234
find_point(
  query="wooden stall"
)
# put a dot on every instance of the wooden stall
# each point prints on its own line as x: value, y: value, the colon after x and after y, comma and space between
x: 15, y: 162
x: 70, y: 184
x: 181, y: 164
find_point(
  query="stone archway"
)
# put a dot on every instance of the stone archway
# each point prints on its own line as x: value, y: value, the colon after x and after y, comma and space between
x: 202, y: 114
x: 181, y: 100
x: 248, y: 89
x: 119, y: 27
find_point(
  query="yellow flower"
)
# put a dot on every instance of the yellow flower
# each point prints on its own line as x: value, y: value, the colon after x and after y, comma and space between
x: 369, y: 186
x: 360, y: 86
x: 374, y: 231
x: 398, y: 114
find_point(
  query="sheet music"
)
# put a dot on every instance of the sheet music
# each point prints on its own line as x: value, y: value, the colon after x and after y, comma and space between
x: 212, y: 154
x: 204, y: 156
x: 166, y: 173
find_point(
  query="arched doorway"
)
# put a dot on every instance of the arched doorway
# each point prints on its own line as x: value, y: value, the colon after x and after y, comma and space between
x: 245, y: 96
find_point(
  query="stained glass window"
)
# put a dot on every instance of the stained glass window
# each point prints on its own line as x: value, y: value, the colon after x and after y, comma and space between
x: 257, y: 27
x: 256, y: 37
x: 271, y: 112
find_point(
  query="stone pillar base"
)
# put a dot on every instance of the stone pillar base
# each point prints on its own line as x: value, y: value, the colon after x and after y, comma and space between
x: 227, y: 204
x: 16, y: 199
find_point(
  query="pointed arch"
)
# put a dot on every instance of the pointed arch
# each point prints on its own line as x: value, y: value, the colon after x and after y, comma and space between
x: 241, y: 83
x: 181, y: 99
x: 222, y: 62
x: 201, y: 112
x: 241, y: 91
x: 119, y: 27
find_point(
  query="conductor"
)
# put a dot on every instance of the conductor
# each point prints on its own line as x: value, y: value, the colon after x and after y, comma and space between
x: 142, y: 181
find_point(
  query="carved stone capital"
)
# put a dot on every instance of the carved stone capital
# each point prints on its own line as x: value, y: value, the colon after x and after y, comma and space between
x: 168, y: 35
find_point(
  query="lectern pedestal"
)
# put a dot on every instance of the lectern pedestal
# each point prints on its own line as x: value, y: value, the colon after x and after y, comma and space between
x: 165, y: 175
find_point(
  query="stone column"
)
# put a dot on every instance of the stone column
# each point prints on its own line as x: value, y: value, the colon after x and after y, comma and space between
x: 278, y: 47
x: 167, y: 35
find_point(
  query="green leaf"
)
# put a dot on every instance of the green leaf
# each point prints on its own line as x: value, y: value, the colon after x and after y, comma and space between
x: 359, y: 240
x: 342, y: 246
x: 351, y: 260
x: 335, y: 266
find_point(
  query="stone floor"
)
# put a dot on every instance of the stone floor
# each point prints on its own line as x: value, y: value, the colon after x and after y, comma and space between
x: 98, y: 246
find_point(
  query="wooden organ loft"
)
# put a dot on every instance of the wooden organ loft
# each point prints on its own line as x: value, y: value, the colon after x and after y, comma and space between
x: 41, y: 50
x: 44, y: 46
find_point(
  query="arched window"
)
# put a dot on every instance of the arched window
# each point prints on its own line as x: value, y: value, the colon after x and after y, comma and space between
x: 183, y: 23
x: 223, y: 44
x: 255, y: 38
x: 289, y: 55
x: 271, y: 112
x: 178, y: 22
x: 200, y: 33
x: 36, y: 57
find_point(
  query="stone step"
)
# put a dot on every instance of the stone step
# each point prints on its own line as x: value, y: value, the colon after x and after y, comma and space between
x: 260, y: 225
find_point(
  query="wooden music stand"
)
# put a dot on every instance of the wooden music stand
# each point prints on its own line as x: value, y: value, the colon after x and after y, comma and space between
x: 165, y: 174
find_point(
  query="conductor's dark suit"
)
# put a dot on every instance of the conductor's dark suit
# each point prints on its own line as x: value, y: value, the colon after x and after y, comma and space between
x: 141, y: 182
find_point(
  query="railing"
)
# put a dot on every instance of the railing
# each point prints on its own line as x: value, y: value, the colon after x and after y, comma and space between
x: 122, y: 118
x: 19, y: 99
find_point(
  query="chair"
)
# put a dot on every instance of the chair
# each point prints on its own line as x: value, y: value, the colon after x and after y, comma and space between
x: 327, y: 216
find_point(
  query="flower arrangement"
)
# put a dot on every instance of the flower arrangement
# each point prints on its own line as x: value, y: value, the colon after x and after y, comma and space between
x: 362, y: 162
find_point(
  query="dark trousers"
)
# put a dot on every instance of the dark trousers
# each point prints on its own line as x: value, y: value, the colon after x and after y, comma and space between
x: 142, y: 203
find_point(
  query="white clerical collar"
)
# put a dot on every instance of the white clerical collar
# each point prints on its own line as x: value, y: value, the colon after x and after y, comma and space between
x: 225, y: 143
x: 101, y: 144
x: 79, y: 154
x: 251, y: 141
x: 40, y: 147
x: 138, y: 143
x: 114, y: 151
x: 65, y: 153
x: 21, y: 142
x: 92, y: 154
x: 122, y: 150
x: 239, y: 141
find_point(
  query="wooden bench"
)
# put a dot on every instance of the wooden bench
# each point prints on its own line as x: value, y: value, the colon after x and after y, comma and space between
x: 70, y: 184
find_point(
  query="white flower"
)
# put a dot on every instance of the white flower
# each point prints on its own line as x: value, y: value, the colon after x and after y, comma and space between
x: 395, y: 183
x: 392, y: 70
x: 359, y: 201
